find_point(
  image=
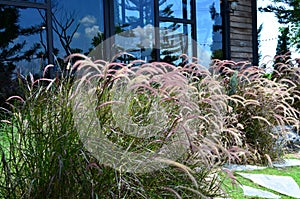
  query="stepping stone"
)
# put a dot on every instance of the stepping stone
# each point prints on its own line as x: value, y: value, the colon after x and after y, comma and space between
x: 288, y: 163
x: 221, y: 198
x: 236, y: 167
x: 250, y: 191
x: 285, y: 185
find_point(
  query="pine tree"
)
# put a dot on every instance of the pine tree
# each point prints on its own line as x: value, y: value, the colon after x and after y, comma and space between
x: 12, y: 51
x: 283, y: 41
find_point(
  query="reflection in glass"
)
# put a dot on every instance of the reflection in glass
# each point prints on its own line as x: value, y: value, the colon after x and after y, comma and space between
x: 209, y: 31
x: 78, y: 27
x: 175, y: 40
x: 22, y: 40
x: 138, y: 42
x: 216, y: 46
x: 134, y: 29
x: 22, y: 47
x: 35, y: 1
x: 175, y: 8
x: 131, y: 17
x: 130, y: 14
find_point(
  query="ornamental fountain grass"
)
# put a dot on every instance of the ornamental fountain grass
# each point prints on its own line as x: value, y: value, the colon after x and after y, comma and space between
x: 228, y: 118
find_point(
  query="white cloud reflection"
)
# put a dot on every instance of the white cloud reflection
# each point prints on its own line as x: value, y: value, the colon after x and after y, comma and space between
x: 90, y: 32
x: 77, y: 35
x: 88, y: 20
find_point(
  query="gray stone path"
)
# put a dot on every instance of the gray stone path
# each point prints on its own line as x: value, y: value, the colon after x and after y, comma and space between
x: 250, y: 191
x: 288, y: 163
x: 285, y: 185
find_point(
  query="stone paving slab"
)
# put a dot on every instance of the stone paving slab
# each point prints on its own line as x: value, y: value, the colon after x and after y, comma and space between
x: 250, y: 191
x: 281, y: 184
x: 284, y: 163
x: 285, y: 185
x: 288, y: 163
x: 236, y: 167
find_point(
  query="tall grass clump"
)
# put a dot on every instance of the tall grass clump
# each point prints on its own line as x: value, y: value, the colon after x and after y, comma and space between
x: 46, y: 154
x: 182, y: 107
x: 141, y: 130
x: 196, y: 103
x: 259, y: 105
x: 288, y: 72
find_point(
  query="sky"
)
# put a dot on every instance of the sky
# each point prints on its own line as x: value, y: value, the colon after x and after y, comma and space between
x: 269, y: 34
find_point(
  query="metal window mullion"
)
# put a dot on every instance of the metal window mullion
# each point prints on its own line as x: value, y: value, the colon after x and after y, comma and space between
x: 254, y: 33
x: 194, y: 26
x: 184, y: 9
x: 175, y: 20
x: 156, y: 29
x: 185, y: 27
x: 225, y: 12
x: 49, y: 32
x: 48, y: 9
x: 109, y: 28
x: 123, y: 12
x: 185, y: 22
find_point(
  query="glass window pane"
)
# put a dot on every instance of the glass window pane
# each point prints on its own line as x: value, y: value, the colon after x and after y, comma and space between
x: 133, y: 25
x: 175, y: 8
x: 209, y: 31
x: 138, y: 42
x: 130, y: 14
x: 22, y: 40
x: 175, y: 40
x: 78, y: 27
x: 22, y: 47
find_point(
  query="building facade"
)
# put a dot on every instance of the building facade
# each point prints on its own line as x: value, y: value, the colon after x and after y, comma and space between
x: 243, y: 32
x: 34, y: 33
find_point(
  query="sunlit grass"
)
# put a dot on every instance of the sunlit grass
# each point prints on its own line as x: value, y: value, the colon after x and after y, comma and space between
x: 236, y: 192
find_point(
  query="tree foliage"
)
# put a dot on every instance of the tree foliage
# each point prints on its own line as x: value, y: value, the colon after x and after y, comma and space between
x: 13, y: 49
x: 283, y: 41
x: 287, y: 13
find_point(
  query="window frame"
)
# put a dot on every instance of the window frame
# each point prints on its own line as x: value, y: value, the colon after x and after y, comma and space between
x: 109, y: 24
x: 184, y: 20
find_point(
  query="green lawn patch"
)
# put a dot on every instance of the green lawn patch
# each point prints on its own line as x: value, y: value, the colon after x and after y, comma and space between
x: 237, y: 192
